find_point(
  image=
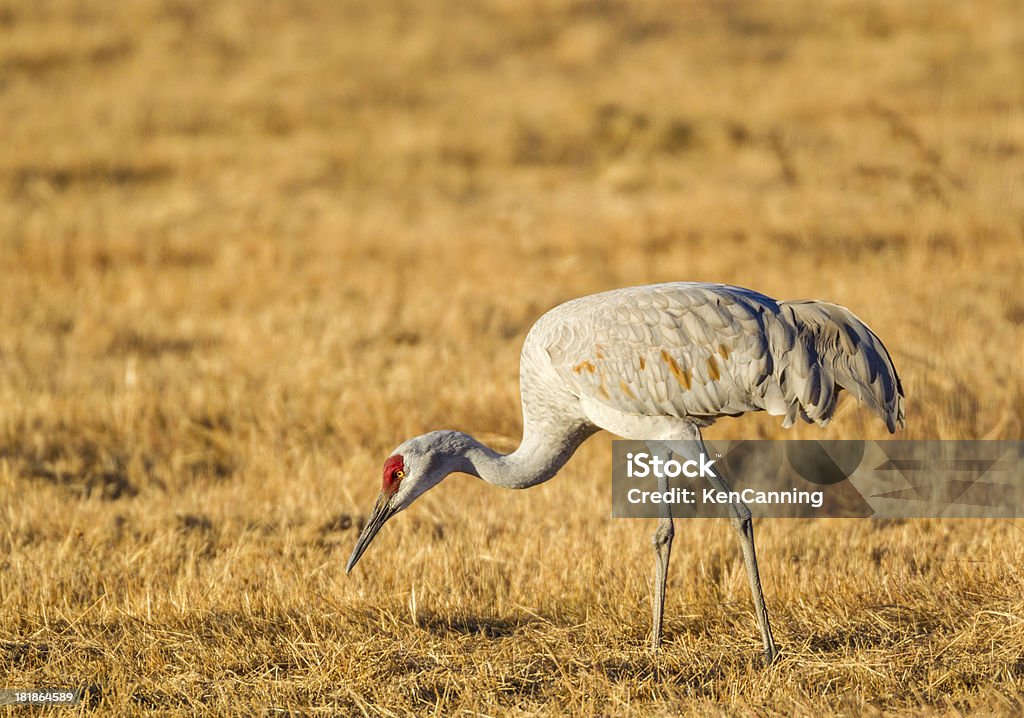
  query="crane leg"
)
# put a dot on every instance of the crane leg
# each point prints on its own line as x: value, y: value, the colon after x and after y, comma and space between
x: 744, y: 525
x: 662, y: 540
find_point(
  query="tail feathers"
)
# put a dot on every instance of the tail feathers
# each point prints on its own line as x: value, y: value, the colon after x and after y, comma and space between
x: 842, y: 353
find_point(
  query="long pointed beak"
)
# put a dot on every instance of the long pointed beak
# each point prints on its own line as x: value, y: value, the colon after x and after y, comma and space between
x: 382, y: 511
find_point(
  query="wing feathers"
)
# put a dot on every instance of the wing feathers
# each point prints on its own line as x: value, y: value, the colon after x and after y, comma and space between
x: 851, y: 357
x: 704, y: 351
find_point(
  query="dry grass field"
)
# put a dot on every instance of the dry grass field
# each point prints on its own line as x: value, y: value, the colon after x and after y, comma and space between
x: 246, y: 248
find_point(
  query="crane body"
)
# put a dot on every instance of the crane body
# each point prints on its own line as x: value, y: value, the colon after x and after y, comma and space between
x: 658, y: 363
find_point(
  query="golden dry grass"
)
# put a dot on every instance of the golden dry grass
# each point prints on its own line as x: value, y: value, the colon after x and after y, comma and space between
x: 246, y: 248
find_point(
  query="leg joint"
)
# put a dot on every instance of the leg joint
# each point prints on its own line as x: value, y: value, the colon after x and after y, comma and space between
x: 743, y: 525
x: 741, y: 512
x: 663, y: 535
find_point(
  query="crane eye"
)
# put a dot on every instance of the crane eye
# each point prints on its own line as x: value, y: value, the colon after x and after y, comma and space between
x: 399, y: 474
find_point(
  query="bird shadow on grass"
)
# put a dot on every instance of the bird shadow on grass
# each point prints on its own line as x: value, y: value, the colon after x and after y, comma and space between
x: 31, y: 655
x: 699, y: 681
x: 881, y: 627
x: 466, y: 625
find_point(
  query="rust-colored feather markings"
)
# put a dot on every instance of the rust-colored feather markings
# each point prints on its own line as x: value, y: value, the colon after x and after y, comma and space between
x: 722, y: 351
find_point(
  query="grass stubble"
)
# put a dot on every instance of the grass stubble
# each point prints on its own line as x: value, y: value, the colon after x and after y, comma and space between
x: 247, y: 248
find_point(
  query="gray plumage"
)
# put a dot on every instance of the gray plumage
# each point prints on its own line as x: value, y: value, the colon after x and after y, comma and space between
x: 702, y: 351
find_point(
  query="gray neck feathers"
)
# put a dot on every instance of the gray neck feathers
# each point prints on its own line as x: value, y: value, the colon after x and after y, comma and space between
x: 538, y: 458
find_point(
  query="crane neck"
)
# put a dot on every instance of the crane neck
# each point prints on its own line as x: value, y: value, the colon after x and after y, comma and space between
x: 539, y: 457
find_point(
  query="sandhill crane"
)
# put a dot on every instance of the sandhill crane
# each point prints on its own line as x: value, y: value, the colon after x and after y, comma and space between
x: 658, y: 363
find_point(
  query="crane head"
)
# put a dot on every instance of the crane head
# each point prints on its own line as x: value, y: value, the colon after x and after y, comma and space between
x: 414, y: 467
